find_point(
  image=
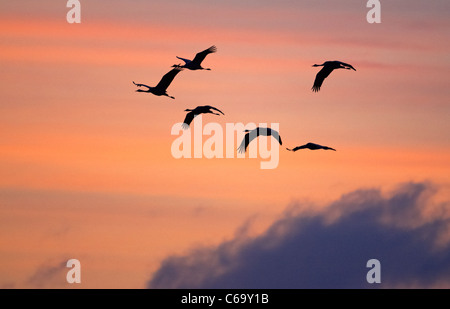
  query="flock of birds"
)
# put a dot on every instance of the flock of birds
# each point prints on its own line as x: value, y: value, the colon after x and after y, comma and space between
x: 196, y: 64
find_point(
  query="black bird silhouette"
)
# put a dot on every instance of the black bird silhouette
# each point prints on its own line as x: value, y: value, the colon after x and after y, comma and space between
x: 311, y: 146
x: 328, y: 67
x: 161, y: 88
x: 252, y: 134
x: 205, y: 109
x: 195, y: 64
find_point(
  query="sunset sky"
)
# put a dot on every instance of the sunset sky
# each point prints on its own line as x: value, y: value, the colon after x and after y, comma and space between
x: 87, y: 171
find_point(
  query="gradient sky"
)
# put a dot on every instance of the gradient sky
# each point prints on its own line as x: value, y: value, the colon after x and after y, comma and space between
x: 85, y: 161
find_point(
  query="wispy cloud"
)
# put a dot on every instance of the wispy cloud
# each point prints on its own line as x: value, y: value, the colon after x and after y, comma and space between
x: 48, y: 275
x: 403, y: 230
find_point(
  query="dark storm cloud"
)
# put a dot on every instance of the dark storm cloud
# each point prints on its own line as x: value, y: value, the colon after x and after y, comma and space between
x: 329, y: 250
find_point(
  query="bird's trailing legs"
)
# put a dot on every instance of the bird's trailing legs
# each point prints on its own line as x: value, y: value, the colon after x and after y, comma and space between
x: 177, y: 65
x: 141, y: 85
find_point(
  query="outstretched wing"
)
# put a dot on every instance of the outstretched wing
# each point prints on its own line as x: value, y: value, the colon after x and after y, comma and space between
x: 188, y: 119
x: 313, y: 146
x: 168, y: 78
x: 320, y: 77
x: 186, y: 61
x: 201, y: 55
x: 216, y: 109
x: 276, y: 135
x: 246, y: 141
x: 349, y: 66
x: 317, y: 146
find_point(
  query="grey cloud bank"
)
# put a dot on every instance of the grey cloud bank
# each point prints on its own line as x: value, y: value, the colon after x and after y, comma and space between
x: 405, y: 230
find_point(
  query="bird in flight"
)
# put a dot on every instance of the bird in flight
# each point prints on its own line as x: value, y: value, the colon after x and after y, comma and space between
x: 252, y: 134
x: 161, y: 88
x: 196, y: 63
x: 328, y: 67
x: 205, y: 109
x: 311, y: 146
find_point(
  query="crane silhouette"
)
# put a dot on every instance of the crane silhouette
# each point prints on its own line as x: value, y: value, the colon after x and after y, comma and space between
x: 328, y: 67
x: 205, y: 109
x: 196, y: 63
x: 311, y: 146
x: 252, y: 134
x: 161, y: 88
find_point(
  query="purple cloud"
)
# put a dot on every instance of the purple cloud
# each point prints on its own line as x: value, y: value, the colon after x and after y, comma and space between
x: 329, y: 249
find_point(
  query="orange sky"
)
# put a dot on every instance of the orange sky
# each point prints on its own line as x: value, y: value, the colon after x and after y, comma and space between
x: 85, y: 161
